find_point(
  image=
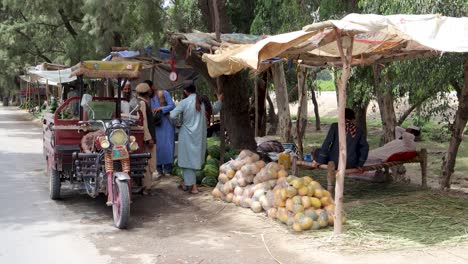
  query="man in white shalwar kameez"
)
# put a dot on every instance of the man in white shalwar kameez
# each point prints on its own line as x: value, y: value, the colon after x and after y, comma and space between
x: 192, y: 136
x: 403, y: 142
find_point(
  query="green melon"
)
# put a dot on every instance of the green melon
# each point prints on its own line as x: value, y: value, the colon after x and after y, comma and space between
x: 211, y: 171
x: 214, y: 151
x: 209, y: 181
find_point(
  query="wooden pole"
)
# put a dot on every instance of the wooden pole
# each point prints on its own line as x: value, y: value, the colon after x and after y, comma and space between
x: 219, y: 85
x: 339, y: 187
x: 256, y: 107
x: 300, y: 126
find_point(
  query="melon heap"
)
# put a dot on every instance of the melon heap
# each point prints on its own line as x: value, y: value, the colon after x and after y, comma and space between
x: 301, y: 203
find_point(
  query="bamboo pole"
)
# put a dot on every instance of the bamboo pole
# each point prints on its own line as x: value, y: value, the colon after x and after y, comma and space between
x: 256, y: 107
x: 299, y: 124
x: 219, y: 85
x: 339, y: 187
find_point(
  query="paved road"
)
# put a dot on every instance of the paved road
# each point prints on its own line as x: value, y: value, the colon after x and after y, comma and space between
x: 34, y: 229
x: 169, y: 227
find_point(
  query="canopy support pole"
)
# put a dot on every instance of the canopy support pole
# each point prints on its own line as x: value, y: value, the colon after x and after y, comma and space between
x: 301, y: 122
x: 339, y: 187
x: 256, y: 107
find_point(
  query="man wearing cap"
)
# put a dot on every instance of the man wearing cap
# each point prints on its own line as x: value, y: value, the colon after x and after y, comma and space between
x: 403, y: 142
x: 144, y: 91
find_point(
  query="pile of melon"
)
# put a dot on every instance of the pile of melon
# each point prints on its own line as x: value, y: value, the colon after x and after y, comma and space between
x: 301, y: 203
x: 248, y: 182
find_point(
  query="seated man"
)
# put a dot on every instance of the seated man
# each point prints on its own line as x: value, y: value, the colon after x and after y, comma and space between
x: 403, y: 142
x: 357, y: 147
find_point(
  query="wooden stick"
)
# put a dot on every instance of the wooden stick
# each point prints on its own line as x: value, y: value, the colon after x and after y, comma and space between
x: 268, y: 250
x: 423, y: 163
x: 339, y: 188
x: 256, y: 107
x: 331, y: 175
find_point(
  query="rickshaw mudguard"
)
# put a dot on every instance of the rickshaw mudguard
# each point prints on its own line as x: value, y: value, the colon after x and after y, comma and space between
x: 121, y: 176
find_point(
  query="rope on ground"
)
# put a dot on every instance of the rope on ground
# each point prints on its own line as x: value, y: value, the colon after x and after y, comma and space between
x: 268, y: 250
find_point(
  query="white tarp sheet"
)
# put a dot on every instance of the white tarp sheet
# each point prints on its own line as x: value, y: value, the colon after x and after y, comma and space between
x: 376, y: 38
x: 53, y: 77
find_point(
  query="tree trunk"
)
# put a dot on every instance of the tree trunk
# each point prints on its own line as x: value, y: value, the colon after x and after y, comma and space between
x: 458, y: 126
x: 361, y: 116
x: 235, y: 105
x: 262, y: 91
x: 387, y: 111
x: 282, y: 102
x: 272, y: 117
x: 301, y: 123
x: 206, y: 8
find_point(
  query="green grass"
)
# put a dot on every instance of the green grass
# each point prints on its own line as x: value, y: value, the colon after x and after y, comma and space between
x: 326, y: 86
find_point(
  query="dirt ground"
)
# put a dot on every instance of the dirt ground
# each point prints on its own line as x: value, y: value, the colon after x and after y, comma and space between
x: 167, y: 227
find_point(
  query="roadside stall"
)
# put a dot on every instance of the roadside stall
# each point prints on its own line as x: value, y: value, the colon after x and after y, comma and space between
x: 354, y: 40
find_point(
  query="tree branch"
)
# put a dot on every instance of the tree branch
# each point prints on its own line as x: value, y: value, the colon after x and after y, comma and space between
x: 67, y: 23
x: 38, y: 51
x: 405, y: 115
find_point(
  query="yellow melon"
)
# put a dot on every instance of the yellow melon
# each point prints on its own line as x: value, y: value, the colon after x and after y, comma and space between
x: 306, y: 202
x: 290, y: 204
x: 229, y: 197
x: 297, y: 199
x: 325, y: 201
x: 290, y: 178
x: 307, y: 180
x: 306, y: 223
x: 297, y: 183
x: 282, y: 174
x: 310, y: 190
x: 298, y: 216
x: 260, y: 164
x: 272, y: 213
x: 298, y: 208
x: 303, y: 190
x: 318, y: 193
x: 230, y: 173
x: 280, y: 202
x: 290, y: 192
x: 256, y: 207
x: 326, y: 193
x: 297, y: 227
x: 216, y: 193
x: 330, y: 219
x: 315, y: 202
x: 283, y: 193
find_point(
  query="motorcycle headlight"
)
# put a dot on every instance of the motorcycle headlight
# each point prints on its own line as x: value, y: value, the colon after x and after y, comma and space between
x: 134, y: 146
x: 118, y: 137
x: 132, y: 138
x: 104, y: 142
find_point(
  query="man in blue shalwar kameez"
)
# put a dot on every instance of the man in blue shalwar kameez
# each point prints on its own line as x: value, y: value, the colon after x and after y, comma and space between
x: 192, y: 136
x: 165, y: 132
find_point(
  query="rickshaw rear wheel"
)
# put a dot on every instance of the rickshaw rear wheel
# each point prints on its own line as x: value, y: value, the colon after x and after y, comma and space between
x: 54, y: 184
x: 121, y: 205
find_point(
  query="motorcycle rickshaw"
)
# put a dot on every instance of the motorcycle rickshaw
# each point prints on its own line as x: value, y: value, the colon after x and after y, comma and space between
x: 91, y: 144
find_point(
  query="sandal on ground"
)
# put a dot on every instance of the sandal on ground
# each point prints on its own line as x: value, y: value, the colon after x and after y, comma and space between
x: 183, y: 187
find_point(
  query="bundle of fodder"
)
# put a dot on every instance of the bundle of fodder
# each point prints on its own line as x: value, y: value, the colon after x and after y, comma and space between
x: 301, y: 203
x: 237, y: 173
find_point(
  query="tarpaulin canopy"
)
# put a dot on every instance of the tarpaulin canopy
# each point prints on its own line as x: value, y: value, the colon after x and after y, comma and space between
x: 158, y: 67
x: 52, y: 77
x: 107, y: 69
x: 375, y: 38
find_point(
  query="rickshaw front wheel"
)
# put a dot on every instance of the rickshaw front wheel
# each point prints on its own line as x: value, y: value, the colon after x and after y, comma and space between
x: 121, y: 205
x: 54, y: 184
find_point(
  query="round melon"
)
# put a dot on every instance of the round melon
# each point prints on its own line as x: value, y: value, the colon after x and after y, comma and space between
x: 307, y: 180
x: 256, y: 207
x: 297, y: 199
x: 315, y: 225
x: 223, y: 178
x: 306, y: 202
x: 230, y: 173
x: 318, y: 193
x: 306, y: 223
x: 303, y: 191
x: 229, y: 197
x: 216, y: 193
x: 297, y: 227
x: 290, y: 192
x: 272, y: 212
x: 297, y: 183
x: 298, y: 208
x: 282, y: 173
x: 290, y: 204
x: 311, y: 213
x: 325, y: 201
x: 315, y: 202
x: 238, y: 190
